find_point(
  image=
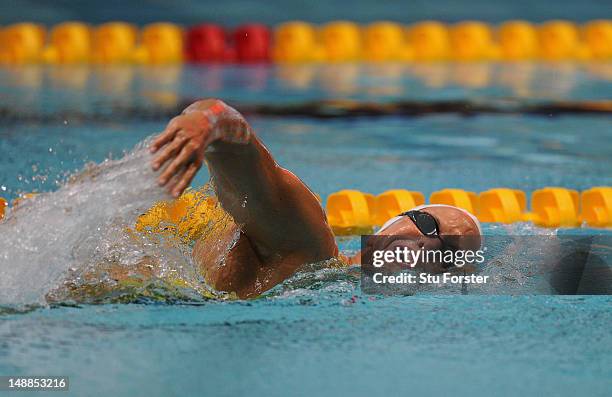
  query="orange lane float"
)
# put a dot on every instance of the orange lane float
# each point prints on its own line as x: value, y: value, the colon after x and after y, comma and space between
x: 458, y: 198
x: 350, y: 212
x: 114, y: 42
x: 502, y: 205
x: 394, y: 202
x: 69, y: 43
x: 296, y: 42
x: 597, y: 37
x: 558, y: 41
x: 341, y: 41
x: 21, y: 43
x: 518, y: 40
x: 302, y: 42
x: 472, y: 41
x: 384, y: 42
x: 428, y: 41
x: 160, y: 43
x: 554, y: 207
x: 597, y: 206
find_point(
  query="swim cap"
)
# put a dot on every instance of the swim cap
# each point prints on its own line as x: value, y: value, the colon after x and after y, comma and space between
x: 424, y: 206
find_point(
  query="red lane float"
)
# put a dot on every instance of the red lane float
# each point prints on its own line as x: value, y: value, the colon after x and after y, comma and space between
x: 252, y: 43
x: 207, y: 43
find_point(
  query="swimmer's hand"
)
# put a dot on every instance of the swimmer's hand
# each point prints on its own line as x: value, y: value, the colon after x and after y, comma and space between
x: 186, y: 137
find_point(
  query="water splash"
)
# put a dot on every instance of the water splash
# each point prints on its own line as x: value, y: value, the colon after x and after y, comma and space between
x: 53, y: 235
x: 79, y: 244
x: 82, y: 243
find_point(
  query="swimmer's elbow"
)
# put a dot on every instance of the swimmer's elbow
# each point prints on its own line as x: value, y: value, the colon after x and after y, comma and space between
x: 203, y: 104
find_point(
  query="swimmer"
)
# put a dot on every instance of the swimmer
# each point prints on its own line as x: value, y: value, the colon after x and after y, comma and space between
x: 279, y: 224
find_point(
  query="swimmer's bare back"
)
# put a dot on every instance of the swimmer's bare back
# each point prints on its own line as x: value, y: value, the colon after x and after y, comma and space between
x: 279, y: 222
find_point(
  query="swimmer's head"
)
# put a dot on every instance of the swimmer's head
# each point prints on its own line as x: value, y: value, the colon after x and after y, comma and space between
x: 453, y: 229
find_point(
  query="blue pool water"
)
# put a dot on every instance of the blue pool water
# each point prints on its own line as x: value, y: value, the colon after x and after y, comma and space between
x: 242, y: 11
x: 317, y: 333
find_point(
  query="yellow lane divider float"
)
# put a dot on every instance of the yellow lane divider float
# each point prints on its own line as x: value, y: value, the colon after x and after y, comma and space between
x: 554, y: 207
x: 517, y: 40
x: 114, y: 42
x: 298, y: 42
x: 22, y: 43
x: 502, y: 205
x: 385, y: 42
x: 472, y: 41
x: 456, y: 197
x: 597, y: 206
x: 428, y: 41
x: 341, y: 41
x: 351, y: 210
x: 393, y: 202
x: 160, y: 43
x: 597, y: 36
x: 69, y: 43
x: 356, y: 212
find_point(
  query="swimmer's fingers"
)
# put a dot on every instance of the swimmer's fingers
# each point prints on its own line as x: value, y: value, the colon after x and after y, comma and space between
x: 176, y: 164
x: 168, y: 151
x: 185, y: 178
x: 166, y: 136
x: 160, y: 141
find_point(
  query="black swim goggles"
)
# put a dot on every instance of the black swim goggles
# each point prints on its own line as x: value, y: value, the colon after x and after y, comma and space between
x: 426, y: 223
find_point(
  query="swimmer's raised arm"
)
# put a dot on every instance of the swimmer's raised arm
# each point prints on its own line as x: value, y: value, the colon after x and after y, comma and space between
x: 279, y: 216
x: 187, y: 136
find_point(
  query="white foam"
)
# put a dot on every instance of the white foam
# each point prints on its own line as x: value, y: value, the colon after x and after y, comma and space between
x: 47, y: 236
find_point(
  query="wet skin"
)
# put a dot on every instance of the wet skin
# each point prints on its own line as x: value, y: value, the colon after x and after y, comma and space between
x: 279, y: 223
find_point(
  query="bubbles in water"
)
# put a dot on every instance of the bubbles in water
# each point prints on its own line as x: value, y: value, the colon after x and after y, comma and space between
x: 47, y: 238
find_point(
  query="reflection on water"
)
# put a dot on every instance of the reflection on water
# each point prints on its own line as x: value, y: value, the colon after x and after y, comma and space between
x: 518, y: 77
x: 472, y: 75
x: 431, y: 75
x: 383, y: 79
x: 298, y: 76
x: 600, y: 70
x: 160, y: 84
x: 114, y: 80
x: 339, y: 79
x: 74, y: 78
x: 80, y: 86
x: 554, y: 80
x: 26, y: 76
